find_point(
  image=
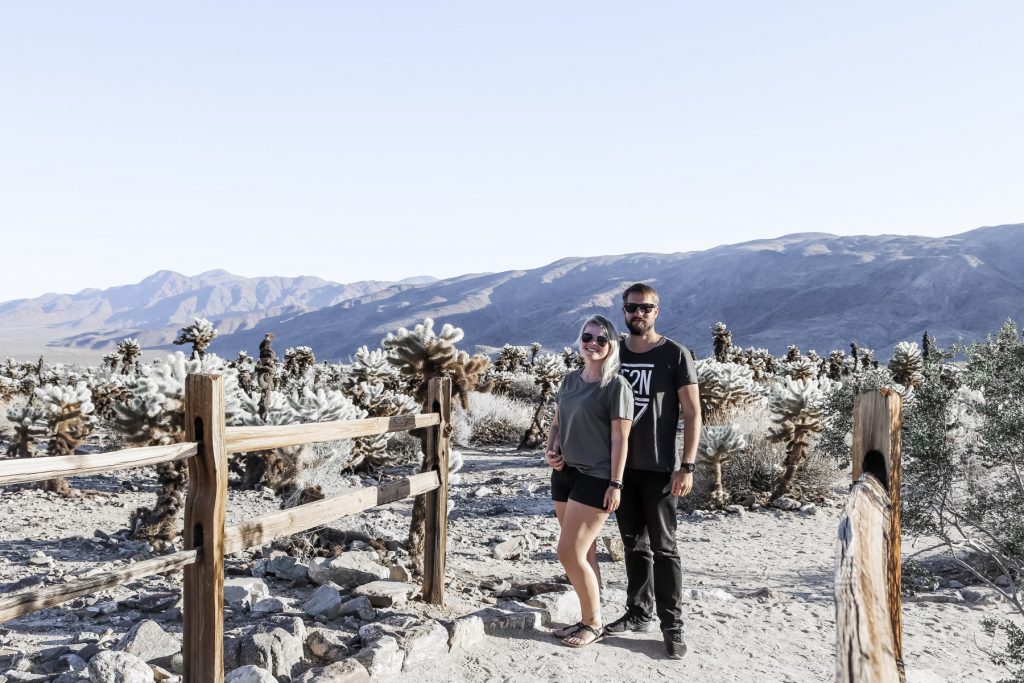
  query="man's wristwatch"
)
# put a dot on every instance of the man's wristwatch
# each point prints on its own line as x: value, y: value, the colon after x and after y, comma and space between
x: 615, y: 484
x: 688, y: 466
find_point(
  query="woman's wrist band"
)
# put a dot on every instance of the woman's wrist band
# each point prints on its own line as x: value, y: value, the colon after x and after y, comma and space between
x: 615, y: 484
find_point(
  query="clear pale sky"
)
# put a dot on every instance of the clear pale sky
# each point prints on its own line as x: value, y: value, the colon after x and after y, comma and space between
x: 383, y: 140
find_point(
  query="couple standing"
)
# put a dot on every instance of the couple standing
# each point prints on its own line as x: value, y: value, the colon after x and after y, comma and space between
x: 611, y: 447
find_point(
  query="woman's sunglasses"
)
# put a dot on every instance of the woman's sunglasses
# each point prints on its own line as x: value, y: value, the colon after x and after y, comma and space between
x: 586, y: 338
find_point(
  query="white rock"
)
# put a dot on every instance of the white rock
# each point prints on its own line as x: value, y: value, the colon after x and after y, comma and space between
x: 119, y: 667
x: 382, y: 659
x: 250, y: 674
x: 325, y: 602
x: 241, y: 593
x: 386, y: 593
x: 466, y: 632
x: 352, y: 568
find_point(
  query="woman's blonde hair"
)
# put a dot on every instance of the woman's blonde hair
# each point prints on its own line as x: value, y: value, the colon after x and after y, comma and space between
x: 611, y: 361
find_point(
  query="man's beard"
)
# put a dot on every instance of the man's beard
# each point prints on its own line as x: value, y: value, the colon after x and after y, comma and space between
x: 638, y: 327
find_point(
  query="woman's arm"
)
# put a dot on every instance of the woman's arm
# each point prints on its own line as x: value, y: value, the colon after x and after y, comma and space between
x: 551, y: 453
x: 620, y: 440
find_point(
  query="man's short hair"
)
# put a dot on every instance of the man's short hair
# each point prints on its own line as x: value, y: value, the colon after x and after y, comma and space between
x: 641, y: 289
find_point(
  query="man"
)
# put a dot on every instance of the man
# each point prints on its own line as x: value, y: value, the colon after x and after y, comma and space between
x: 664, y: 383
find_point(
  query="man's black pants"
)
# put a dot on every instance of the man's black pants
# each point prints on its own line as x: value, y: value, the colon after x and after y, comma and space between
x: 647, y: 522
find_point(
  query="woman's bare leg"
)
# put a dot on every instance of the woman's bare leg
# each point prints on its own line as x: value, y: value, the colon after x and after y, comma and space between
x: 580, y: 526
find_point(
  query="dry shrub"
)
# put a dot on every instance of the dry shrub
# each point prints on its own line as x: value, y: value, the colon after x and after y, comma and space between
x: 490, y: 421
x: 749, y: 475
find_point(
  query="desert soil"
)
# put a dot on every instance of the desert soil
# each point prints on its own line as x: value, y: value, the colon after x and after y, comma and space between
x: 761, y: 607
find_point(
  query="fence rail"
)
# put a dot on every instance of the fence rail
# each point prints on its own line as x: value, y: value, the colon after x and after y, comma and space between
x: 869, y: 631
x: 208, y: 442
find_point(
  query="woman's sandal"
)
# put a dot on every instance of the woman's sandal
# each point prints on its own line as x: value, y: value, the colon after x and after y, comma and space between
x: 598, y: 634
x: 567, y: 631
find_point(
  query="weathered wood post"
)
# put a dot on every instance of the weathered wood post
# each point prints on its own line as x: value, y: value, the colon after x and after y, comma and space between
x: 439, y: 400
x: 869, y: 631
x: 203, y: 613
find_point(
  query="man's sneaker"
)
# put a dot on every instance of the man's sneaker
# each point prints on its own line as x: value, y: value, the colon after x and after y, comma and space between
x: 628, y: 622
x: 674, y: 644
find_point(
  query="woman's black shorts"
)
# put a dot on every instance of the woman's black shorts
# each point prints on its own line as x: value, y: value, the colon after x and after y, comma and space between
x: 569, y: 483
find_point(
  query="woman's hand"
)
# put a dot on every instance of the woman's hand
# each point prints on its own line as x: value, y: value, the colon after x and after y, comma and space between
x: 612, y: 497
x: 554, y: 459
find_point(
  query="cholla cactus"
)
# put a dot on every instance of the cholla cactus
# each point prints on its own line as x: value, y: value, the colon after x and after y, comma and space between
x: 297, y: 361
x: 837, y: 366
x: 29, y: 423
x: 266, y: 373
x: 512, y: 358
x: 796, y: 407
x: 548, y: 372
x: 69, y: 415
x: 245, y: 366
x: 572, y: 358
x: 199, y: 334
x: 928, y: 345
x: 724, y: 386
x: 376, y: 386
x: 723, y: 342
x: 759, y: 360
x: 792, y: 353
x: 421, y: 355
x: 804, y: 367
x: 718, y: 443
x: 535, y: 348
x: 906, y: 365
x: 154, y: 413
x: 128, y: 353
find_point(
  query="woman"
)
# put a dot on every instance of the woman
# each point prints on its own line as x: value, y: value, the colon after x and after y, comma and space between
x: 587, y: 452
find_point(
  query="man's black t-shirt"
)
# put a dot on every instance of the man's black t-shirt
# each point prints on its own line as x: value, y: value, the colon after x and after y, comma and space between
x: 656, y: 376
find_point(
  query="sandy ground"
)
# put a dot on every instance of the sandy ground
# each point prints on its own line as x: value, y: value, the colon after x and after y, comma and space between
x: 775, y: 624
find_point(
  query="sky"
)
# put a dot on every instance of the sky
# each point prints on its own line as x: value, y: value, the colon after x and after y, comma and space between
x: 356, y: 140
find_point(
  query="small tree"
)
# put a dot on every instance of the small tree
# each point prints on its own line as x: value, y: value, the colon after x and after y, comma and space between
x: 724, y: 386
x: 796, y: 407
x: 548, y: 372
x: 717, y: 444
x: 722, y: 339
x: 199, y: 334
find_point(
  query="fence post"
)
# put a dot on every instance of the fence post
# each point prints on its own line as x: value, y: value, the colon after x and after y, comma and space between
x: 439, y: 400
x: 203, y: 613
x: 877, y: 419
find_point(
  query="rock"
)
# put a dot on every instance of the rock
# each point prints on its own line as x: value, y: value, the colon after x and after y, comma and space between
x: 329, y: 645
x: 278, y: 651
x: 40, y: 558
x: 346, y: 671
x: 562, y: 608
x: 707, y: 595
x: 785, y: 503
x: 809, y: 509
x: 288, y: 568
x: 250, y: 674
x: 325, y: 602
x: 399, y: 573
x: 735, y: 510
x: 26, y: 677
x: 613, y: 544
x: 980, y: 596
x: 483, y: 492
x: 352, y: 568
x: 497, y: 620
x: 421, y: 639
x: 382, y: 659
x: 765, y: 594
x: 386, y: 593
x: 359, y: 606
x: 954, y: 584
x: 74, y: 663
x: 1002, y: 581
x: 119, y: 667
x: 163, y: 675
x: 158, y: 602
x: 512, y: 549
x: 465, y: 632
x: 944, y: 596
x: 271, y: 606
x: 147, y: 641
x: 242, y: 592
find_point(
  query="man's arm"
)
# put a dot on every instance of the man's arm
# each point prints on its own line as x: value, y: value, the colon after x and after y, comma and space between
x: 689, y: 409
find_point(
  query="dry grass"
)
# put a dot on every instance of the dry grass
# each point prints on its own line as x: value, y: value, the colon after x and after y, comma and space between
x: 491, y: 420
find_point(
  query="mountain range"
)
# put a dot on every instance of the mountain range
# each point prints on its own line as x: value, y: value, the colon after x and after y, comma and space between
x: 816, y: 290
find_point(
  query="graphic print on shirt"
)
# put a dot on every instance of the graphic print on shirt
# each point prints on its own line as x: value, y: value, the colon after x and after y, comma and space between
x: 639, y: 376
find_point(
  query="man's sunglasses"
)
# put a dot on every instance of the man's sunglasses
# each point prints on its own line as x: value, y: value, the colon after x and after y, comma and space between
x: 633, y: 308
x: 586, y: 338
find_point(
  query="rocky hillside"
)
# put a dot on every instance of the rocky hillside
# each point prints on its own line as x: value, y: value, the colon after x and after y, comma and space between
x: 155, y: 308
x: 815, y: 289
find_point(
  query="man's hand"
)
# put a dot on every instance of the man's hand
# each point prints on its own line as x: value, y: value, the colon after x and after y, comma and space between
x: 682, y: 483
x: 554, y: 459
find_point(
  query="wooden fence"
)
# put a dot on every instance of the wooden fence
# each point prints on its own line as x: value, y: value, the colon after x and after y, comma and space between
x: 207, y: 540
x: 869, y: 633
